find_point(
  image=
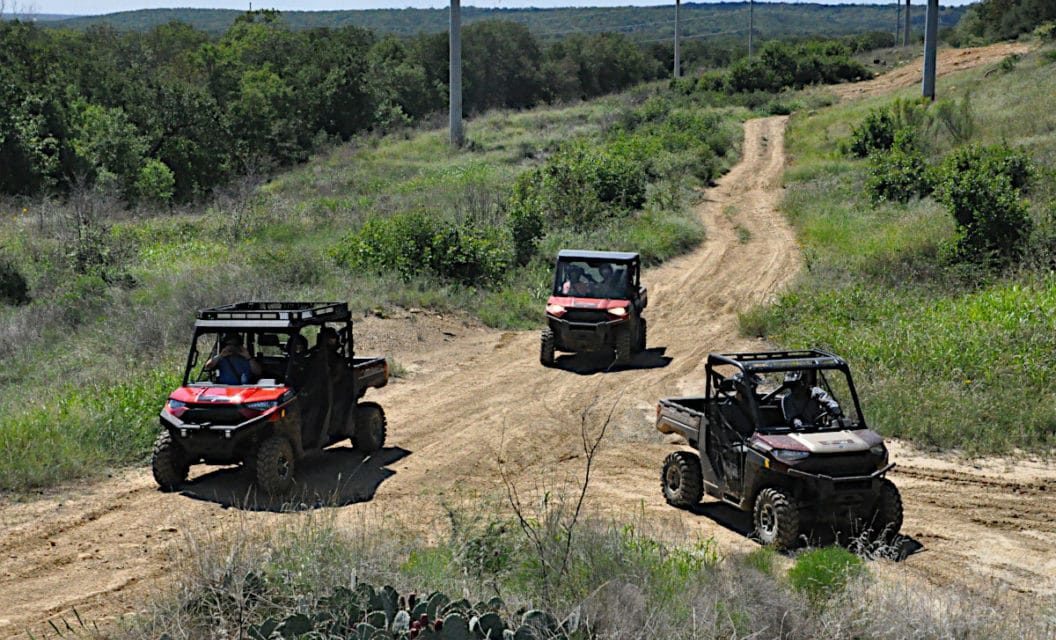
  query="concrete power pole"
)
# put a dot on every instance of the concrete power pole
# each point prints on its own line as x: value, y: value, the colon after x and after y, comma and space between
x: 905, y: 32
x: 751, y: 24
x: 455, y: 78
x: 898, y: 20
x: 931, y: 33
x: 678, y: 38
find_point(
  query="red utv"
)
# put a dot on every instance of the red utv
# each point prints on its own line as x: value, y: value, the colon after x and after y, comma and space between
x: 596, y: 305
x: 295, y: 398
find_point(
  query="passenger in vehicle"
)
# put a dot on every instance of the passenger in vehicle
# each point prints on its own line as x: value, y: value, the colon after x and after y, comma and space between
x: 297, y: 361
x: 233, y: 363
x: 611, y: 281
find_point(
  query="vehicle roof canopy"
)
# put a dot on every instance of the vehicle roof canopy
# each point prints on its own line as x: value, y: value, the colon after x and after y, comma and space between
x: 778, y: 360
x: 613, y: 256
x: 272, y: 315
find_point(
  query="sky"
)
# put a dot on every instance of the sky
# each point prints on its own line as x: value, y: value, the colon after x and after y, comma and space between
x: 94, y: 7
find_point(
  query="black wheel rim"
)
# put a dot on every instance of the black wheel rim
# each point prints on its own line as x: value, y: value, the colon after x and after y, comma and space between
x: 767, y: 520
x: 674, y: 479
x: 283, y: 468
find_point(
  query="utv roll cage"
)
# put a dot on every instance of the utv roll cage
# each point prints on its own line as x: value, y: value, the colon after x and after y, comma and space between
x: 777, y: 362
x: 255, y: 318
x: 633, y: 260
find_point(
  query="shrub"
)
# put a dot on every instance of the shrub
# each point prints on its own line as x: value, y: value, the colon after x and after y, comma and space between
x: 957, y: 117
x: 981, y: 187
x: 823, y: 573
x: 900, y: 174
x: 156, y: 183
x: 580, y: 185
x: 415, y: 243
x: 13, y: 288
x: 875, y: 133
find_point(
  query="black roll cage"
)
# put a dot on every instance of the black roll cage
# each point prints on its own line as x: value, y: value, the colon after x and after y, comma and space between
x: 778, y: 362
x: 252, y: 319
x: 634, y: 264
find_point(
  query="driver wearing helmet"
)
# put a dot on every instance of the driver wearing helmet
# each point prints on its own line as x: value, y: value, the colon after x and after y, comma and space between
x: 806, y: 404
x: 233, y: 363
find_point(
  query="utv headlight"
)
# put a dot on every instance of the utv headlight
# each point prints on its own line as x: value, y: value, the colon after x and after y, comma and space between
x: 789, y: 456
x: 878, y: 450
x: 176, y: 405
x: 555, y: 309
x: 619, y: 312
x: 262, y: 406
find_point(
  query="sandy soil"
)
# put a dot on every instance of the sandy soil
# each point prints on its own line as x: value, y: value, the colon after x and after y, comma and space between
x: 478, y: 398
x: 948, y: 61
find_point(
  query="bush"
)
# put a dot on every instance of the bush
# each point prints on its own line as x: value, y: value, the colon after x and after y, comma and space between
x: 875, y: 133
x: 981, y: 187
x: 900, y: 174
x: 415, y: 243
x: 823, y: 573
x: 156, y: 183
x: 13, y: 288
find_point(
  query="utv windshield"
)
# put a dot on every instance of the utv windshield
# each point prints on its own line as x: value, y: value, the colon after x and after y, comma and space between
x: 593, y: 279
x: 233, y: 358
x: 810, y: 399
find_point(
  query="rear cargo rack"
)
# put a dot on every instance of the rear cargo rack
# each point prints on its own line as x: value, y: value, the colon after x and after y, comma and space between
x: 291, y: 314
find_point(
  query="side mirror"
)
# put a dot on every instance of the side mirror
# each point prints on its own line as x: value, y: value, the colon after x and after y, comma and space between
x: 194, y: 359
x: 644, y: 294
x: 727, y: 386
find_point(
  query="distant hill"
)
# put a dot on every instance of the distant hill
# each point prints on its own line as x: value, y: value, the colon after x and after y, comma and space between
x: 642, y: 23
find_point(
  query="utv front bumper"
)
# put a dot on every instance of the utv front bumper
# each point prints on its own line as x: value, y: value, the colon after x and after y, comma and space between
x: 841, y: 494
x: 585, y: 336
x: 216, y: 443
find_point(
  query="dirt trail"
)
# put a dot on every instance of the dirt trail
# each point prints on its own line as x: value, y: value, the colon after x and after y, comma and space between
x: 101, y: 548
x: 948, y: 61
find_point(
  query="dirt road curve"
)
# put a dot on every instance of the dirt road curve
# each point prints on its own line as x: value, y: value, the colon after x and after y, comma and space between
x: 948, y: 61
x: 101, y: 548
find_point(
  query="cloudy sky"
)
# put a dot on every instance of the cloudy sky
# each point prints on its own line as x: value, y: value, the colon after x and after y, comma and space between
x: 109, y: 6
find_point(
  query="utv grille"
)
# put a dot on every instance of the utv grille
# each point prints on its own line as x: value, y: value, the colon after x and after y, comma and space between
x: 213, y: 415
x: 840, y: 464
x: 585, y: 316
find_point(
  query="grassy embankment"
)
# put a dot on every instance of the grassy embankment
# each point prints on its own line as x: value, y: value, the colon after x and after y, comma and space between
x: 948, y: 353
x: 89, y: 361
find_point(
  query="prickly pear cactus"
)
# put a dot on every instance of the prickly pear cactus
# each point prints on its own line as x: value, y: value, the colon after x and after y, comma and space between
x: 489, y: 626
x: 437, y: 602
x: 401, y: 623
x: 456, y: 628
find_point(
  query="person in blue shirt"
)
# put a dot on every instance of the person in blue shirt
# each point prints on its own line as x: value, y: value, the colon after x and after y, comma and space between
x: 233, y: 364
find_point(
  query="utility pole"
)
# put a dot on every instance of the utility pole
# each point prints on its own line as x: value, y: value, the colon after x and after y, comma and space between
x: 456, y: 74
x: 931, y: 33
x: 905, y: 32
x: 751, y: 24
x: 678, y: 38
x: 898, y: 20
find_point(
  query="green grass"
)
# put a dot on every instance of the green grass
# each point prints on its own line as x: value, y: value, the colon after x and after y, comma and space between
x: 947, y: 355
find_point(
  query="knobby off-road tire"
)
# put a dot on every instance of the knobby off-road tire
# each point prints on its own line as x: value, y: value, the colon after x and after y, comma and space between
x: 681, y: 480
x: 546, y: 348
x: 276, y: 465
x: 169, y: 462
x: 624, y: 344
x: 370, y: 428
x: 776, y: 518
x: 642, y: 331
x: 887, y: 519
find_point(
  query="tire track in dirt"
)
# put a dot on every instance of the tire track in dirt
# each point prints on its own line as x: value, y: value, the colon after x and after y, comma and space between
x: 484, y: 398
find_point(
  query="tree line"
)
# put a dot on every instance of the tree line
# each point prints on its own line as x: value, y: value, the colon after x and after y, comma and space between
x: 170, y: 113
